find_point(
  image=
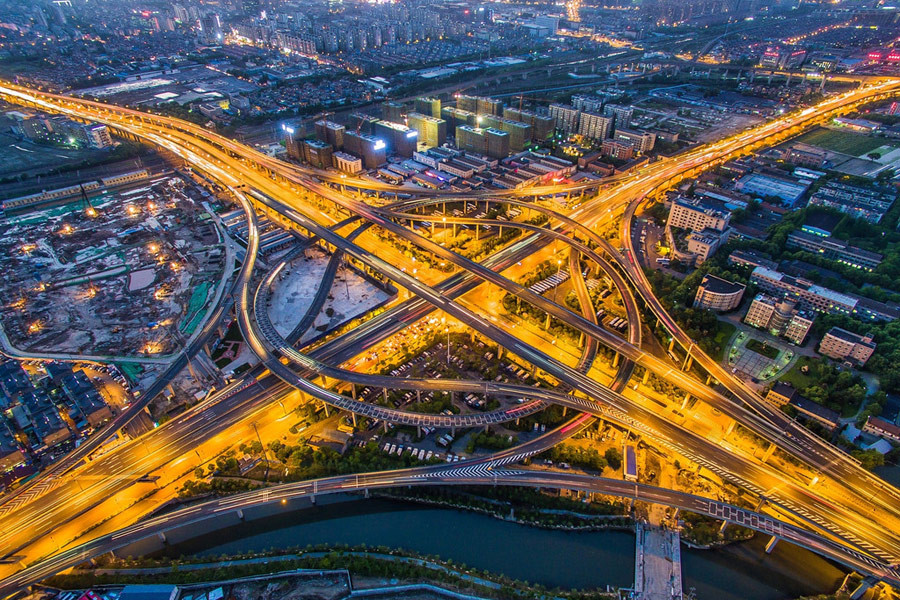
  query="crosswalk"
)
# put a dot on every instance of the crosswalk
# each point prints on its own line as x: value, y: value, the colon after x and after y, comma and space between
x: 483, y: 470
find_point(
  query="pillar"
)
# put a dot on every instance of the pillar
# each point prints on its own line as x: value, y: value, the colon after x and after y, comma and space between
x: 771, y: 545
x: 646, y: 376
x: 687, y: 398
x: 671, y: 344
x: 615, y: 362
x: 730, y: 429
x: 769, y: 451
x: 240, y: 514
x: 722, y: 527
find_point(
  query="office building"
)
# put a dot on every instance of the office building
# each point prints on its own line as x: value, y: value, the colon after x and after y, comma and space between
x: 594, y: 127
x: 810, y: 296
x: 369, y: 148
x: 392, y: 111
x: 429, y: 106
x: 432, y: 130
x: 642, y: 141
x: 718, y: 294
x: 400, y: 139
x: 566, y: 118
x: 330, y: 133
x: 697, y: 215
x: 779, y: 317
x: 834, y: 249
x: 347, y: 163
x: 317, y: 153
x: 844, y: 345
x: 489, y: 142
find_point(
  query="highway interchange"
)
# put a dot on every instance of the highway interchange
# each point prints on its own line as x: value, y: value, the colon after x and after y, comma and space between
x: 843, y: 520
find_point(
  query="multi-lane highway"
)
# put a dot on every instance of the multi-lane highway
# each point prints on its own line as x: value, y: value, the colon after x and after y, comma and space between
x: 846, y: 525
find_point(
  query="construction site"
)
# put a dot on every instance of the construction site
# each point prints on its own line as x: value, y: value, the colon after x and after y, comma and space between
x: 130, y: 272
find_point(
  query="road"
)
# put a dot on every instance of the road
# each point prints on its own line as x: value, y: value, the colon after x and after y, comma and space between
x: 235, y: 165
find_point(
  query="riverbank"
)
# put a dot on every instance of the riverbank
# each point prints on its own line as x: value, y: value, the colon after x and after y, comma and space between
x: 393, y: 570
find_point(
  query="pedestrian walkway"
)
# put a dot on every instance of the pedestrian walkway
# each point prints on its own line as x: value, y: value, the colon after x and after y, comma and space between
x: 657, y: 563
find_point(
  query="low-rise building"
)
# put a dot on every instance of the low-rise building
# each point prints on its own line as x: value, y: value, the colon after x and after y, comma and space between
x: 844, y: 345
x: 347, y: 162
x: 764, y: 186
x: 882, y: 428
x: 834, y: 249
x: 861, y: 203
x: 811, y: 296
x: 718, y: 294
x: 697, y: 215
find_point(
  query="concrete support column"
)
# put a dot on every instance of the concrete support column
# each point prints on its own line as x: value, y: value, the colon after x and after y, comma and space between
x: 615, y: 362
x: 769, y: 451
x: 722, y: 527
x: 646, y: 376
x: 771, y: 545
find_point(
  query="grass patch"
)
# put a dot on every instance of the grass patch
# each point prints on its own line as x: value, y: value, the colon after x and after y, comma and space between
x: 796, y: 377
x: 761, y: 348
x: 724, y: 331
x: 846, y: 142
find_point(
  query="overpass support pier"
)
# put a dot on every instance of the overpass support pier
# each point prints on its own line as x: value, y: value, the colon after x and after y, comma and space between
x: 771, y: 545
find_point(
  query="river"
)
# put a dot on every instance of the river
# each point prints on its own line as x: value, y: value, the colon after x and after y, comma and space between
x: 552, y: 558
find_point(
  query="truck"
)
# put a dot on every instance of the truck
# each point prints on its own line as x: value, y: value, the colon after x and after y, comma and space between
x: 630, y: 463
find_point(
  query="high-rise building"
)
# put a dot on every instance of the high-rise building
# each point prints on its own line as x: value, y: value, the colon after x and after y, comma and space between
x: 317, y: 154
x: 519, y: 133
x: 432, y: 131
x: 593, y: 104
x: 331, y: 133
x: 392, y: 111
x: 400, y: 139
x: 565, y: 117
x: 370, y: 149
x: 622, y: 115
x: 541, y: 126
x: 292, y: 142
x: 479, y: 105
x: 489, y: 142
x: 456, y: 117
x: 429, y: 106
x: 210, y: 30
x: 595, y: 127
